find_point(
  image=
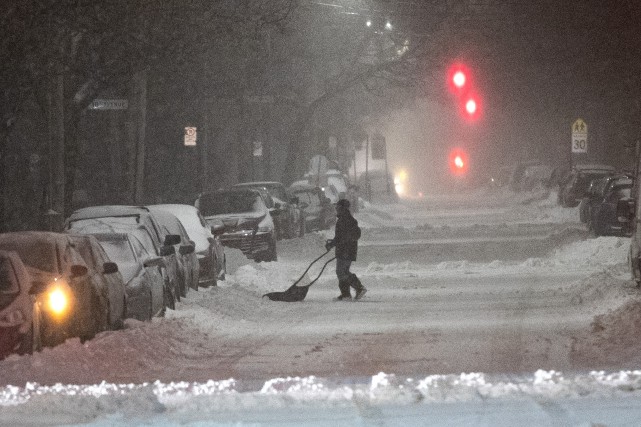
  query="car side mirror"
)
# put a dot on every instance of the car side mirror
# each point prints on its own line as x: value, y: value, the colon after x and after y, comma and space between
x: 109, y: 268
x: 186, y: 249
x: 217, y: 230
x: 172, y: 239
x: 625, y: 209
x: 167, y: 251
x: 78, y: 270
x: 303, y: 205
x: 277, y: 206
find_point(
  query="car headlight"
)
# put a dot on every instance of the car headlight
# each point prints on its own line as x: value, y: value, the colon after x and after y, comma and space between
x: 264, y: 228
x: 57, y: 299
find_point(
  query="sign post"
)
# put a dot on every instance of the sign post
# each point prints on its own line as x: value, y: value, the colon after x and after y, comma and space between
x: 579, y: 136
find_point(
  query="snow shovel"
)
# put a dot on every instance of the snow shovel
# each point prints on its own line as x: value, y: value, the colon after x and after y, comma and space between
x: 298, y: 293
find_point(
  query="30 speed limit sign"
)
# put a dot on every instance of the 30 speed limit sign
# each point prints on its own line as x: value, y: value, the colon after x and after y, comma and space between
x: 579, y: 136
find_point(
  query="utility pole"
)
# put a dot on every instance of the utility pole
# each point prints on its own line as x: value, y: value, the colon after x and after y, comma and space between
x: 56, y: 185
x: 140, y: 122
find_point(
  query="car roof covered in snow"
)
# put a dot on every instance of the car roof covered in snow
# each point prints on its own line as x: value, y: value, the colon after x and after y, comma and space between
x: 107, y: 210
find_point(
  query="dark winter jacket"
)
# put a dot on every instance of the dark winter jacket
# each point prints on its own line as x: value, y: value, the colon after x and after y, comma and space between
x: 346, y: 237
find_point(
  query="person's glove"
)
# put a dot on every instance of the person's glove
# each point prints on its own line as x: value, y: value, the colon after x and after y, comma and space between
x: 329, y: 244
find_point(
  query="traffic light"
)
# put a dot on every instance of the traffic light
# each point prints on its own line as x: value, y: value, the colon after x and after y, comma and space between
x: 458, y: 78
x: 458, y: 161
x: 471, y: 107
x: 461, y: 85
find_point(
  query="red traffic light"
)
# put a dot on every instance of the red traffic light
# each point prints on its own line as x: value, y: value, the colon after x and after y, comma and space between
x: 458, y: 161
x: 458, y: 78
x: 471, y: 107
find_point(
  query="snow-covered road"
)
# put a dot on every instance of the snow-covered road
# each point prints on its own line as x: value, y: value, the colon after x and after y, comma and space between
x: 518, y: 287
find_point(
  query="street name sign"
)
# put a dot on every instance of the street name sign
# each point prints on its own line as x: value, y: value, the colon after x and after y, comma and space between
x: 109, y: 104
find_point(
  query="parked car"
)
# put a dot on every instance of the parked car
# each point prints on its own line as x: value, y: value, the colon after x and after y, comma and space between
x: 247, y: 224
x: 594, y: 195
x: 286, y: 215
x: 209, y: 249
x: 105, y: 274
x: 75, y: 307
x: 574, y: 185
x: 19, y: 309
x: 318, y: 211
x: 185, y: 251
x: 140, y: 221
x: 144, y: 282
x: 604, y: 216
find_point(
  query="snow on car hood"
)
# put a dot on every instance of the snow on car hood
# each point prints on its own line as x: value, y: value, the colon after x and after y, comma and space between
x: 235, y: 220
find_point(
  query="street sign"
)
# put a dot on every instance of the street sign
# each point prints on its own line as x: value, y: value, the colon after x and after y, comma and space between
x: 258, y: 148
x: 190, y: 136
x: 579, y: 136
x: 109, y: 104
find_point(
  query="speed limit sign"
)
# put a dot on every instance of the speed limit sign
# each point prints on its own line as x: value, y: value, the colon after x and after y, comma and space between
x: 579, y: 136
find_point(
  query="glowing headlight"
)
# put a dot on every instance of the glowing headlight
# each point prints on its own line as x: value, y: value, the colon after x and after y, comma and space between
x: 58, y: 300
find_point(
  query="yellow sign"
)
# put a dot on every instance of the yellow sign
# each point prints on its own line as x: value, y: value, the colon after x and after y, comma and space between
x: 579, y: 126
x: 579, y: 136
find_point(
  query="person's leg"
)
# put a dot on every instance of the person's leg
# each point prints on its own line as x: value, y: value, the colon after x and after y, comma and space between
x: 355, y: 283
x: 343, y: 275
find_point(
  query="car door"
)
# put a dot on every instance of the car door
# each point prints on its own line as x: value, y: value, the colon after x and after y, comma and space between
x: 115, y: 286
x: 14, y: 308
x: 153, y: 276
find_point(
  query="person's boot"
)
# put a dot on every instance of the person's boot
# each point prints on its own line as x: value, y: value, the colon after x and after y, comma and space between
x: 345, y: 293
x: 358, y: 286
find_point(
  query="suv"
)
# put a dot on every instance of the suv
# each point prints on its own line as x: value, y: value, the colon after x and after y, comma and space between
x: 603, y: 219
x: 286, y: 214
x: 245, y: 220
x: 318, y: 211
x: 574, y: 185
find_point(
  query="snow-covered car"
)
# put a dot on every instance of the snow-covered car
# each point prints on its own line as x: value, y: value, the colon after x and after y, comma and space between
x: 604, y: 219
x: 144, y: 283
x: 184, y: 250
x: 209, y: 250
x: 286, y: 214
x: 140, y: 221
x: 75, y: 305
x: 19, y: 310
x: 574, y: 185
x: 105, y: 274
x: 247, y: 224
x: 318, y: 212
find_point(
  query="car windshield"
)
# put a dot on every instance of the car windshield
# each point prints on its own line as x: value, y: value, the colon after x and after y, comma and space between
x: 40, y: 254
x: 229, y: 202
x: 118, y: 249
